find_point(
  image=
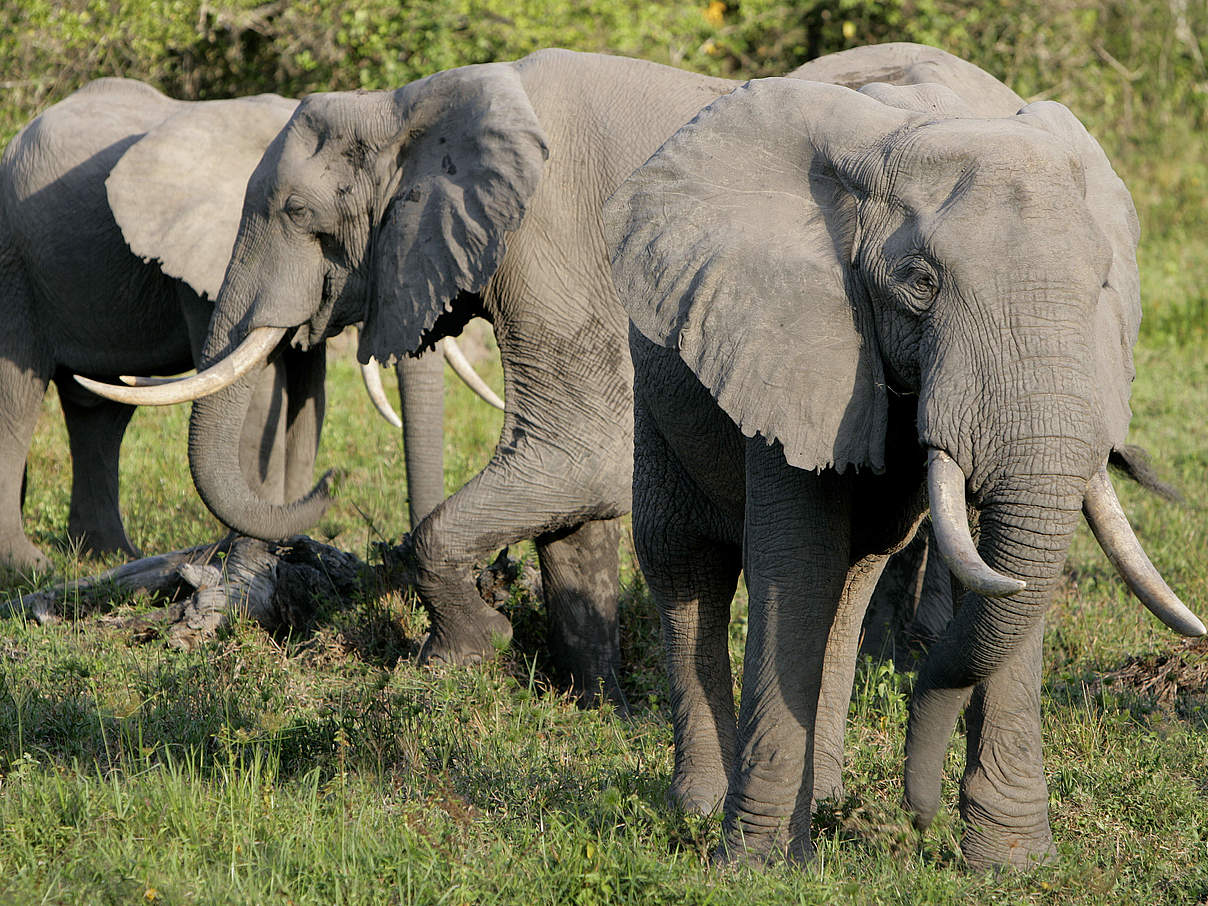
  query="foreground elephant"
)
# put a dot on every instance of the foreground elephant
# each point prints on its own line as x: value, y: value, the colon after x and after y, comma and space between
x: 848, y: 306
x: 75, y: 298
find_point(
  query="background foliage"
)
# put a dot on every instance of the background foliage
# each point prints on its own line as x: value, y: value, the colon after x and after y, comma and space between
x: 1133, y: 70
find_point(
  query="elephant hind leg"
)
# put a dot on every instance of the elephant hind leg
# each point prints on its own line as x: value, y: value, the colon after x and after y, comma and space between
x: 24, y: 372
x: 95, y: 428
x: 692, y: 575
x: 579, y: 579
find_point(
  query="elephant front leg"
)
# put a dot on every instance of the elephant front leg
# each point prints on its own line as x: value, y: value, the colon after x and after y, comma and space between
x: 796, y: 557
x: 692, y: 574
x: 1004, y: 799
x: 564, y: 460
x: 579, y: 580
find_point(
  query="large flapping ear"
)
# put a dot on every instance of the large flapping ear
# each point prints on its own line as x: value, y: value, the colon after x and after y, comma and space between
x: 177, y: 193
x: 471, y: 155
x: 1118, y: 315
x: 734, y: 243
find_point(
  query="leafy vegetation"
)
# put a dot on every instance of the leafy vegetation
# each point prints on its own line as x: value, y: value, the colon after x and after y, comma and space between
x: 324, y: 768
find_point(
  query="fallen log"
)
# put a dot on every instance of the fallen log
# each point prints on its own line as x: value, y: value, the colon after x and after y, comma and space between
x: 280, y: 585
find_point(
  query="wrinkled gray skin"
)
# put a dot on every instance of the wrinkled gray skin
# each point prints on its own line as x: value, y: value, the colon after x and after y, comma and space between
x: 823, y: 285
x: 74, y: 298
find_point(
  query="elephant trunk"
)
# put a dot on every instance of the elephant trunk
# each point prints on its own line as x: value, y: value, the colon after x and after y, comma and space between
x: 1025, y: 533
x: 215, y: 428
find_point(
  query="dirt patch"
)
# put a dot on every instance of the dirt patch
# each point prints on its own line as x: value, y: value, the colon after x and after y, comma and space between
x: 1175, y: 681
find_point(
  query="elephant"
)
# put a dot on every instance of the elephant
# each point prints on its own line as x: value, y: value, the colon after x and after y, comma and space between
x: 118, y: 161
x: 847, y: 308
x: 118, y: 210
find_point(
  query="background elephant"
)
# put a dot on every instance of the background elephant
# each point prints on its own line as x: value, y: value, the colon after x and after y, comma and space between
x: 75, y: 298
x: 474, y: 191
x: 847, y: 307
x: 119, y: 210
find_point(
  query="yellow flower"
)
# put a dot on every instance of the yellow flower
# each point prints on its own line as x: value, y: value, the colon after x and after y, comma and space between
x: 849, y: 29
x: 715, y: 13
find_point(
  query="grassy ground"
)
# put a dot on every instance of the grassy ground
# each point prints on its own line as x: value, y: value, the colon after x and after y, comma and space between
x: 326, y: 768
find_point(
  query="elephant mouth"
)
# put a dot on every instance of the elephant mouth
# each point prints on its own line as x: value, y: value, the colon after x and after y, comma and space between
x: 1104, y: 514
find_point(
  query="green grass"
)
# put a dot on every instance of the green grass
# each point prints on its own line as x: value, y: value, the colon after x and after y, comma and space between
x: 328, y: 769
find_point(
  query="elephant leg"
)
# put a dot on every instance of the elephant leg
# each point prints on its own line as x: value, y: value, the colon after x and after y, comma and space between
x: 305, y: 377
x: 533, y: 486
x: 838, y: 673
x: 24, y: 373
x: 421, y: 384
x: 1004, y: 800
x: 692, y: 571
x: 796, y: 557
x: 693, y: 582
x: 579, y: 578
x: 95, y: 428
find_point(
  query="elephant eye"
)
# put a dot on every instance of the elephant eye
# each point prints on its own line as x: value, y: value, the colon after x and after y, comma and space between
x: 920, y: 282
x: 298, y: 211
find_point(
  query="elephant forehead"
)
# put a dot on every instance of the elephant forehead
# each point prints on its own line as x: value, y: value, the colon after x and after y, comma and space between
x: 942, y: 159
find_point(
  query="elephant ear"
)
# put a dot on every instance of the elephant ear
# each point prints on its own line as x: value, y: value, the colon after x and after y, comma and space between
x: 177, y: 193
x: 734, y: 243
x: 1118, y: 314
x: 471, y: 155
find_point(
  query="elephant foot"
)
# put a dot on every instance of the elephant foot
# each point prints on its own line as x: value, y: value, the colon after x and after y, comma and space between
x: 697, y: 795
x: 98, y: 544
x: 468, y: 636
x: 23, y: 557
x: 603, y: 688
x: 1006, y: 823
x: 985, y: 851
x: 758, y: 852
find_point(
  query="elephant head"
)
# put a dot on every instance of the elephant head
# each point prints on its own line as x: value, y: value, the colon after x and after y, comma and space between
x: 376, y: 207
x: 811, y: 250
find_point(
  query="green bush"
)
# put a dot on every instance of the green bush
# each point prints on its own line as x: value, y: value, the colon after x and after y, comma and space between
x: 1133, y: 70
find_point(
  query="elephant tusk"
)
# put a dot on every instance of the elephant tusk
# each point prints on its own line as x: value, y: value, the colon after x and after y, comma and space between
x: 1107, y: 520
x: 950, y: 521
x: 372, y: 376
x: 164, y: 392
x: 464, y: 370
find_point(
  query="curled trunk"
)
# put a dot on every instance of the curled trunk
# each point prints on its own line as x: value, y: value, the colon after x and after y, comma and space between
x: 215, y: 428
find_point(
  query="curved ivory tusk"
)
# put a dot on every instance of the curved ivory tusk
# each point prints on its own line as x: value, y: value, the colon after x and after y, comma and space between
x: 372, y: 376
x: 950, y: 521
x: 164, y: 392
x: 1110, y: 525
x: 464, y: 370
